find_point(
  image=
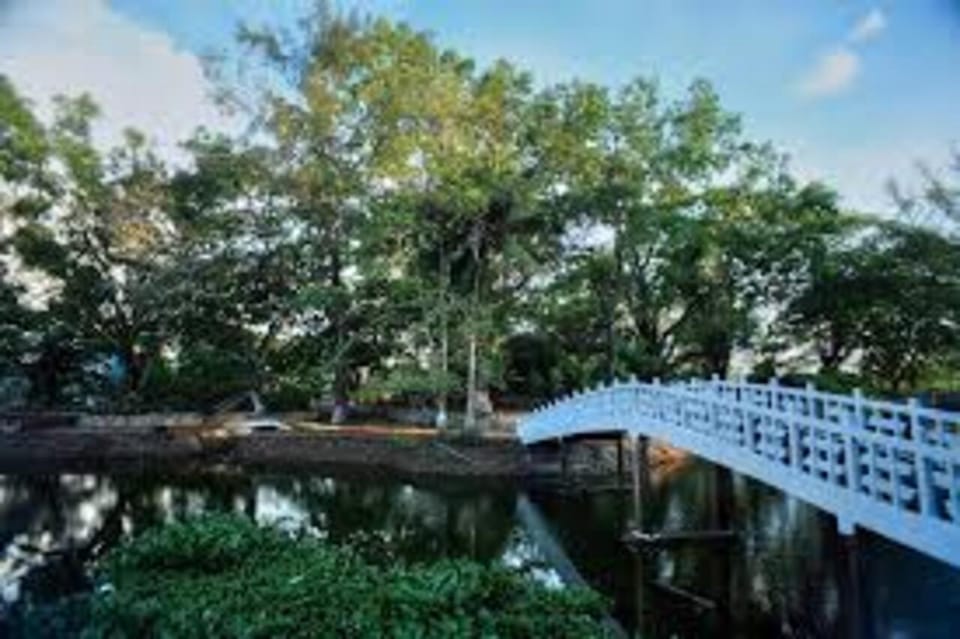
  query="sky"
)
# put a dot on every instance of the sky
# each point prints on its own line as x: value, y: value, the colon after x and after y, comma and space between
x: 855, y: 91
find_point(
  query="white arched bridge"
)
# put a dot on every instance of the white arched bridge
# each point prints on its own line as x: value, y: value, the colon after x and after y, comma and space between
x: 893, y: 468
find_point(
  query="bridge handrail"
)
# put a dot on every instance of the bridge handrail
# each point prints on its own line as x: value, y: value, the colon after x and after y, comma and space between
x: 878, y: 414
x: 904, y: 481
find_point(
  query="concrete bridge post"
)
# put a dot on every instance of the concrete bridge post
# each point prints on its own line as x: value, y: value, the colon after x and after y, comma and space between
x: 564, y: 460
x: 641, y: 478
x: 851, y: 622
x: 723, y: 502
x: 620, y: 461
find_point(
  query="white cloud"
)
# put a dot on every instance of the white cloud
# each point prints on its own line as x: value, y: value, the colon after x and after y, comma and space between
x: 833, y: 72
x: 869, y: 26
x: 137, y: 75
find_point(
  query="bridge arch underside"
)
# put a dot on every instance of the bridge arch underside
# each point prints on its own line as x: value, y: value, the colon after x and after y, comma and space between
x: 771, y: 461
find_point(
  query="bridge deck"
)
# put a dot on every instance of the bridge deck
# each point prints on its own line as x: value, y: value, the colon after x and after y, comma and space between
x: 890, y: 467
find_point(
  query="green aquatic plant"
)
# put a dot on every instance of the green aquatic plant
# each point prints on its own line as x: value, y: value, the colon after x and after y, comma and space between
x: 223, y: 576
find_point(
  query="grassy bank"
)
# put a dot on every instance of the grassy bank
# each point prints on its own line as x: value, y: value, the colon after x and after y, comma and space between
x: 223, y: 576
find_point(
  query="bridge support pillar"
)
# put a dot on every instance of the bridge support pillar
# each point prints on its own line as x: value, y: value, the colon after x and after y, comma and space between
x: 845, y: 526
x: 641, y: 478
x: 620, y: 461
x: 564, y: 460
x: 723, y: 502
x: 851, y: 622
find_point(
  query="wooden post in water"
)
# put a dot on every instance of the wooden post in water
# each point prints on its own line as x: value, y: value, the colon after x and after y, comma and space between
x: 640, y: 586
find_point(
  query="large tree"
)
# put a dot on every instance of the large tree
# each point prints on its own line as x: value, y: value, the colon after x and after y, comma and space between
x: 365, y: 112
x: 656, y: 190
x: 26, y: 190
x: 104, y: 245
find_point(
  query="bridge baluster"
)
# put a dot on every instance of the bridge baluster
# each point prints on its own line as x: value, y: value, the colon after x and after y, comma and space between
x: 714, y: 405
x: 923, y: 478
x: 793, y: 436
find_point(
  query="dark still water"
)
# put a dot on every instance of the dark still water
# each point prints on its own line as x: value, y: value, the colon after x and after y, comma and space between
x: 787, y: 575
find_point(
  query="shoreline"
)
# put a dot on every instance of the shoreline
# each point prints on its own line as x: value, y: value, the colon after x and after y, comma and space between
x: 404, y: 452
x: 37, y: 452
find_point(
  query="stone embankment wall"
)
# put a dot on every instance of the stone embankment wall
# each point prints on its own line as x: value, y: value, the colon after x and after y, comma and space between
x: 50, y: 450
x: 178, y: 440
x: 502, y: 421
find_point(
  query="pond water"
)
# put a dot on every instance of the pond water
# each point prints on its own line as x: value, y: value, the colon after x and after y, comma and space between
x: 788, y: 574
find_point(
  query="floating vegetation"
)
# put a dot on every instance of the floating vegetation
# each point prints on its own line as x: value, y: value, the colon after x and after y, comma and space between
x: 223, y: 576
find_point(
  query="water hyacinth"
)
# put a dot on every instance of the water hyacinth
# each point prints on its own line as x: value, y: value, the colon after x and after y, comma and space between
x: 223, y: 576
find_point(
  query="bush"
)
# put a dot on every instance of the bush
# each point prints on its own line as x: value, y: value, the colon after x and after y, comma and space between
x: 221, y: 576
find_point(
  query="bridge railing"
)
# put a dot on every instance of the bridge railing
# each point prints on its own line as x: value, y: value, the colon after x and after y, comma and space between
x: 892, y: 467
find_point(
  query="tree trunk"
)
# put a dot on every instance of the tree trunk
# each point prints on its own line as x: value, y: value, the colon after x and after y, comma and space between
x: 340, y: 381
x: 611, y: 339
x: 470, y: 420
x: 135, y: 364
x: 720, y: 361
x: 441, y: 418
x: 340, y: 399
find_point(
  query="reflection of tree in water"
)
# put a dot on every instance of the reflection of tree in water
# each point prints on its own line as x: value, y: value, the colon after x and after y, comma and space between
x: 49, y: 527
x: 588, y: 527
x: 397, y: 520
x: 52, y: 526
x: 794, y: 564
x: 780, y: 580
x: 40, y: 509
